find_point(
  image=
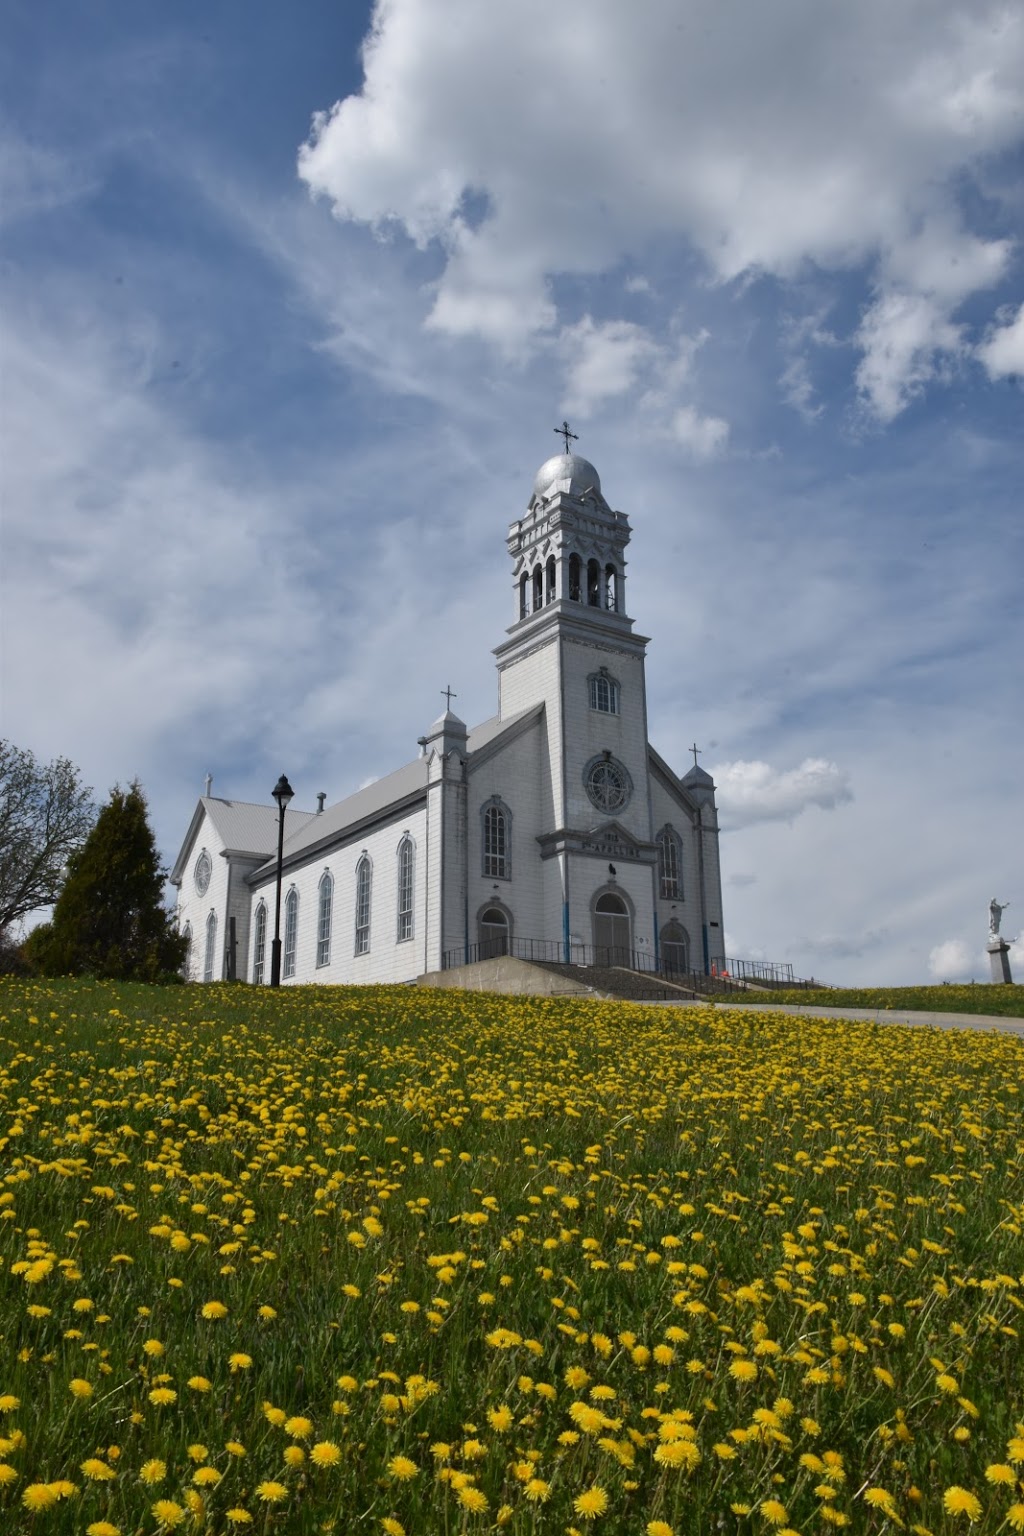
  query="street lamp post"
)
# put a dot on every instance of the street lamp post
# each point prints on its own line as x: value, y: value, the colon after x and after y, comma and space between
x: 282, y: 793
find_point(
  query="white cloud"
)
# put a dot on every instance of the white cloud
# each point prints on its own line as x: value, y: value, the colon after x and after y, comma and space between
x: 1002, y: 351
x: 825, y: 135
x: 703, y: 437
x: 749, y: 792
x: 602, y: 361
x: 950, y: 961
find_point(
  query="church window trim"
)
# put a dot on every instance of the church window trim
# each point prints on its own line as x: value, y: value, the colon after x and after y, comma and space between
x: 594, y: 583
x: 494, y: 930
x: 675, y: 948
x: 364, y: 892
x: 186, y: 964
x: 550, y: 580
x: 670, y: 864
x: 201, y: 874
x: 611, y: 588
x: 604, y: 692
x: 210, y: 957
x: 524, y: 595
x: 608, y: 784
x: 538, y: 587
x: 496, y: 839
x: 291, y: 932
x: 406, y: 888
x: 324, y: 918
x: 259, y: 944
x: 575, y: 579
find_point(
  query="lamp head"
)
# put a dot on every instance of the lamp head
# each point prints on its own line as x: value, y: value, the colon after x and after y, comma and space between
x: 282, y: 792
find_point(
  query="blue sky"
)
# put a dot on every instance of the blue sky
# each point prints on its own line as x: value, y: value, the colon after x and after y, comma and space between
x: 293, y: 297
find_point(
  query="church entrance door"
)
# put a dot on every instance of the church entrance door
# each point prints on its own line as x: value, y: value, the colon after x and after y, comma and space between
x: 673, y: 947
x: 613, y: 943
x: 493, y: 933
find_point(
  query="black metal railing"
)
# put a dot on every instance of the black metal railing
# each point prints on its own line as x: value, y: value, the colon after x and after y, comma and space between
x: 553, y: 951
x: 758, y: 970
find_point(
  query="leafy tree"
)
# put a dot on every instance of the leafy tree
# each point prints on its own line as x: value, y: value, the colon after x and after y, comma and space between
x: 109, y: 919
x: 45, y: 815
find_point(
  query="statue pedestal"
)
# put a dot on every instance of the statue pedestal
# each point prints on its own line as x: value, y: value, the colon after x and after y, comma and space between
x: 999, y: 960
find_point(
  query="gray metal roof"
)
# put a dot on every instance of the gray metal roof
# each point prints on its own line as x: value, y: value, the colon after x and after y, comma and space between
x: 248, y: 828
x: 376, y: 799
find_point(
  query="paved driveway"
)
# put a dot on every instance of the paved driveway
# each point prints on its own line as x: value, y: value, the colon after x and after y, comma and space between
x: 896, y: 1016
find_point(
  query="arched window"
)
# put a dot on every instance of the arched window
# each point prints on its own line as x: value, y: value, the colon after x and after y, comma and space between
x: 259, y: 944
x: 604, y: 692
x: 670, y: 864
x: 210, y: 958
x: 612, y: 931
x: 675, y: 948
x: 497, y: 820
x: 550, y: 596
x: 574, y: 579
x: 494, y: 933
x: 524, y: 595
x: 406, y: 870
x: 364, y: 878
x: 186, y: 964
x: 325, y: 907
x: 291, y: 931
x: 538, y: 587
x: 593, y: 584
x: 611, y: 588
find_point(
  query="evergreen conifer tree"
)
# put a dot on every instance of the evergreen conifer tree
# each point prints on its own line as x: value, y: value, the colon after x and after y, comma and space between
x: 109, y: 919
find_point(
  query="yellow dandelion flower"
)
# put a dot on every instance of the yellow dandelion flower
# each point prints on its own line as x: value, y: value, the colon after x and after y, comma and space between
x: 682, y: 1454
x: 294, y: 1456
x: 999, y: 1472
x: 1015, y: 1517
x: 9, y: 1403
x: 38, y: 1496
x: 80, y: 1388
x: 537, y: 1490
x: 659, y: 1528
x: 500, y: 1419
x: 152, y: 1472
x: 947, y: 1383
x: 743, y: 1370
x: 960, y: 1501
x: 325, y: 1454
x: 213, y: 1311
x: 392, y: 1527
x: 271, y: 1492
x: 96, y: 1470
x: 773, y: 1512
x: 576, y: 1377
x: 267, y: 1313
x: 239, y: 1362
x: 206, y: 1477
x: 102, y: 1528
x: 298, y: 1427
x: 153, y: 1348
x: 162, y: 1397
x: 167, y: 1513
x: 199, y: 1384
x: 8, y: 1474
x: 234, y: 1447
x: 880, y: 1498
x: 238, y: 1516
x: 402, y: 1469
x: 591, y: 1503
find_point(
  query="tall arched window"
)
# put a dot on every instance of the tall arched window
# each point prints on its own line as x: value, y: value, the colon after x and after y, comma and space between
x: 291, y: 931
x: 494, y: 933
x: 550, y: 579
x: 325, y: 907
x: 611, y: 588
x: 186, y: 964
x: 210, y: 958
x: 524, y: 595
x: 364, y: 878
x: 574, y: 579
x: 406, y: 857
x: 259, y: 944
x: 675, y: 948
x: 670, y: 864
x: 593, y: 584
x: 604, y: 692
x: 538, y: 587
x: 496, y: 841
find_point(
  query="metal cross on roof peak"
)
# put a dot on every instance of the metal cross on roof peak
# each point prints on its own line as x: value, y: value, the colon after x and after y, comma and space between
x: 449, y: 694
x: 695, y: 750
x: 563, y: 431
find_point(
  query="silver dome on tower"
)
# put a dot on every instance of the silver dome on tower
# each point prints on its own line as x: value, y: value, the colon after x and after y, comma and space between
x: 567, y: 472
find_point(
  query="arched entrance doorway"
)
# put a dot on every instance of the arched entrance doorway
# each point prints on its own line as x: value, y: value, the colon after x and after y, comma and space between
x: 613, y: 941
x: 675, y: 948
x: 494, y: 933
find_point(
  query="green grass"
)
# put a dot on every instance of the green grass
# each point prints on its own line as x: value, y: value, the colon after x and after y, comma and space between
x: 1005, y: 1001
x: 386, y: 1260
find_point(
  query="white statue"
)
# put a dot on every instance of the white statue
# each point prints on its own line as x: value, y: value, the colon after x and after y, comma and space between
x: 995, y: 913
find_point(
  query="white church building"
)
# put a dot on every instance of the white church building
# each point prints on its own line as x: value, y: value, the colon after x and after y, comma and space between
x: 553, y: 831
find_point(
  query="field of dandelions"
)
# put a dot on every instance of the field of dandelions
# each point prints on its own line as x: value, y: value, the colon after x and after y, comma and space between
x: 410, y: 1263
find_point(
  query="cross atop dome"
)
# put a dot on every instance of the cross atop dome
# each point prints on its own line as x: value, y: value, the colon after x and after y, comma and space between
x: 563, y: 431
